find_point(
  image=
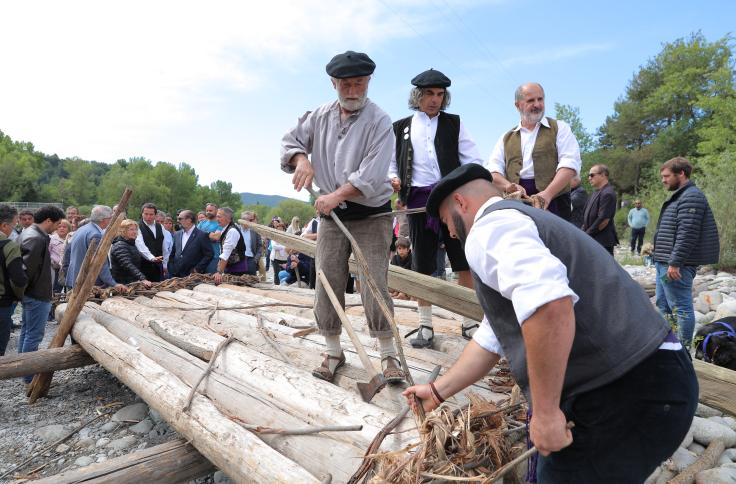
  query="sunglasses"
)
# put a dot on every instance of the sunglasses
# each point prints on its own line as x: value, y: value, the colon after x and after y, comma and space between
x: 591, y: 175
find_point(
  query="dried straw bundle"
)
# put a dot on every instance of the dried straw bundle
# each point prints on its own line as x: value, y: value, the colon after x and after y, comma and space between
x: 464, y: 445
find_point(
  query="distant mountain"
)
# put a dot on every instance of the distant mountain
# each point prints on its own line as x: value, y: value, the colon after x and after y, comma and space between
x: 258, y: 199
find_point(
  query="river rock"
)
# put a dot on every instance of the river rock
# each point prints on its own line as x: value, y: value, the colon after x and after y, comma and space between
x: 131, y: 413
x: 711, y: 298
x: 705, y: 431
x: 109, y: 426
x: 83, y: 461
x: 730, y: 421
x: 706, y: 411
x: 719, y: 421
x: 102, y: 442
x: 51, y: 433
x: 61, y: 448
x: 731, y: 453
x: 701, y: 307
x: 727, y: 308
x: 688, y: 438
x: 723, y: 460
x: 696, y: 448
x: 719, y: 475
x: 681, y: 459
x: 86, y: 442
x: 122, y: 443
x: 142, y: 427
x: 155, y: 416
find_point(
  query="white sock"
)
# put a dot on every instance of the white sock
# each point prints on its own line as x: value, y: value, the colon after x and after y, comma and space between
x: 334, y: 348
x: 425, y: 319
x: 467, y: 322
x: 387, y: 347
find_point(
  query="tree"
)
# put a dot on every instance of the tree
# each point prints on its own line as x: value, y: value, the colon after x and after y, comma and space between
x: 571, y: 115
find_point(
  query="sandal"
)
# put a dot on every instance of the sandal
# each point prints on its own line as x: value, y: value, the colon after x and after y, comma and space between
x: 465, y: 330
x: 392, y: 371
x: 420, y: 341
x: 323, y: 372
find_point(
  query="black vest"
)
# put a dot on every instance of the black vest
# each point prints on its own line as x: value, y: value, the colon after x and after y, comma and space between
x: 239, y: 247
x: 616, y: 326
x: 445, y: 145
x: 154, y: 243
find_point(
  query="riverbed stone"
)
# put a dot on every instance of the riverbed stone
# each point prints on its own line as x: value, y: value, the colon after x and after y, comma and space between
x: 706, y: 431
x: 719, y: 475
x: 51, y: 433
x: 131, y: 413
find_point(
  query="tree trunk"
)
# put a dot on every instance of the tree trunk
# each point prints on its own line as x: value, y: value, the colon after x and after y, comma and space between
x: 240, y: 454
x: 53, y: 359
x: 172, y: 462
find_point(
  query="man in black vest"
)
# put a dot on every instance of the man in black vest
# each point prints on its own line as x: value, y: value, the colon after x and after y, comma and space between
x: 429, y: 145
x: 585, y: 346
x: 150, y: 243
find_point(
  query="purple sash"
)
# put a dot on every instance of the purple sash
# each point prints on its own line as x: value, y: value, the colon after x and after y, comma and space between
x: 418, y: 197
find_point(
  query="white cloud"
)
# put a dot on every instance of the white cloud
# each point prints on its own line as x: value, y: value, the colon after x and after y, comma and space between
x: 555, y: 54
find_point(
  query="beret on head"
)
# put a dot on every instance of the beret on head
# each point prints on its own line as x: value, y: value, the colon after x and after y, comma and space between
x: 350, y: 64
x: 431, y: 78
x: 454, y: 180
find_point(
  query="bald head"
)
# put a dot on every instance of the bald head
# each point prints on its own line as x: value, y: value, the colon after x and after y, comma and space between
x: 529, y: 101
x: 458, y: 209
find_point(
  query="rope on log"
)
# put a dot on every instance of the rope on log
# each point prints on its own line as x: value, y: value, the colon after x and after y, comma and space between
x: 206, y: 372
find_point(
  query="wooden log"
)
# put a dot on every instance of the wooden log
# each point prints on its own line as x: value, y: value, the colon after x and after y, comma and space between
x: 236, y: 451
x: 453, y: 297
x: 319, y: 454
x: 174, y: 461
x: 54, y: 359
x: 82, y: 286
x: 717, y: 386
x: 706, y: 461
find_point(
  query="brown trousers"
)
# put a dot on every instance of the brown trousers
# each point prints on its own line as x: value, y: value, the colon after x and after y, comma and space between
x: 373, y: 236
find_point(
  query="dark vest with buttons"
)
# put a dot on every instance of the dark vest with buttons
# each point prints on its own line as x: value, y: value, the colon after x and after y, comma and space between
x: 155, y: 243
x: 616, y: 326
x: 445, y: 144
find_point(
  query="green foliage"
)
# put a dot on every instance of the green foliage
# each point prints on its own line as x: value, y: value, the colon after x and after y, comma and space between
x: 289, y: 209
x: 31, y: 176
x: 571, y: 115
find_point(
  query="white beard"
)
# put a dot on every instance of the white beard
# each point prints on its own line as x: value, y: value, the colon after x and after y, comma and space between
x: 352, y: 104
x: 532, y: 118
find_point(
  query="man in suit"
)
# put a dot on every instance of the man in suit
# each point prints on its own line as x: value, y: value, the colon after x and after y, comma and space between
x: 253, y: 241
x: 192, y: 248
x: 600, y: 209
x: 99, y: 220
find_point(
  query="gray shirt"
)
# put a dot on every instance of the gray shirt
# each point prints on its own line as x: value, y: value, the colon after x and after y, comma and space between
x: 357, y: 150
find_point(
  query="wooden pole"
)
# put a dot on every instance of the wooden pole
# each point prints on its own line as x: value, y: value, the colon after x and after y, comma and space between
x: 174, y: 461
x: 373, y: 287
x: 42, y: 381
x: 13, y: 366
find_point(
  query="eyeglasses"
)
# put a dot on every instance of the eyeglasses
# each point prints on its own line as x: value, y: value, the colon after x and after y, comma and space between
x: 591, y: 175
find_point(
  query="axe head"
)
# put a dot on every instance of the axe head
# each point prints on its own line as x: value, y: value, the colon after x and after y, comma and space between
x: 369, y: 390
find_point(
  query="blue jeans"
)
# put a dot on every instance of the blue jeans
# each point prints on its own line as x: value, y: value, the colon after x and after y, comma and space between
x: 676, y: 297
x: 6, y: 319
x: 285, y: 276
x: 35, y: 315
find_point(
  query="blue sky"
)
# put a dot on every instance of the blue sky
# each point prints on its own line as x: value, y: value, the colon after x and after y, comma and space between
x: 217, y: 84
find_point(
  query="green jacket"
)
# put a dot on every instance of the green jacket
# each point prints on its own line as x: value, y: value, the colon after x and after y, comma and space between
x: 13, y: 279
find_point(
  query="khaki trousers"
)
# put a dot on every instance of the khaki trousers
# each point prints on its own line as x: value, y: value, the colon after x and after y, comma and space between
x: 373, y: 236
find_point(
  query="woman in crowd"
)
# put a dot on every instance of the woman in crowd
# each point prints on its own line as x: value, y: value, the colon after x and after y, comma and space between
x: 279, y: 255
x: 56, y: 250
x: 125, y: 260
x: 295, y: 228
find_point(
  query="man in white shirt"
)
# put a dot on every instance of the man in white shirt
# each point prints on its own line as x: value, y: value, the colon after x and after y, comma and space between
x: 539, y: 156
x: 150, y: 242
x: 429, y: 145
x: 584, y: 346
x: 232, y: 257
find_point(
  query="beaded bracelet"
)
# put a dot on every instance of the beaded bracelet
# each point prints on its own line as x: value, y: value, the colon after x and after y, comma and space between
x: 436, y: 393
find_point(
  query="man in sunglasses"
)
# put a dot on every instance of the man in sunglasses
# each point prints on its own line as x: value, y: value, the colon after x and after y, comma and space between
x: 600, y: 209
x: 192, y: 248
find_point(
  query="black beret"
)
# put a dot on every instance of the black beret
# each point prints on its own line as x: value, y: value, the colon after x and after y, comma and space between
x: 454, y: 180
x: 350, y: 64
x: 431, y: 78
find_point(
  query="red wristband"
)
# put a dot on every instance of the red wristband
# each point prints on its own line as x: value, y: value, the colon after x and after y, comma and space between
x: 435, y: 392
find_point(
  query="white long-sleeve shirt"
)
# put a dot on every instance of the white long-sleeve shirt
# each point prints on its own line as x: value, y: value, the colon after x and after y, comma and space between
x: 568, y: 150
x: 425, y: 167
x: 504, y: 249
x: 146, y: 253
x: 231, y: 240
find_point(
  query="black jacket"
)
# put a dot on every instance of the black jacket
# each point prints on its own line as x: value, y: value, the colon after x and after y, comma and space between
x: 125, y: 261
x: 197, y: 254
x: 601, y: 205
x: 578, y: 199
x: 34, y: 245
x: 687, y: 234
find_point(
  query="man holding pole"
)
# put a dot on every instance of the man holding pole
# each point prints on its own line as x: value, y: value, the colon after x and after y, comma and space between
x: 350, y: 142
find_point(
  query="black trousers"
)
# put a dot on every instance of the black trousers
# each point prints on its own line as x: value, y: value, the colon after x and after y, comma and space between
x: 637, y: 238
x: 625, y: 429
x: 151, y: 270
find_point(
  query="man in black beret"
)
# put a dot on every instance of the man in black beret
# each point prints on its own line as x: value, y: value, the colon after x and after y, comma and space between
x: 585, y: 346
x: 429, y: 145
x: 350, y: 142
